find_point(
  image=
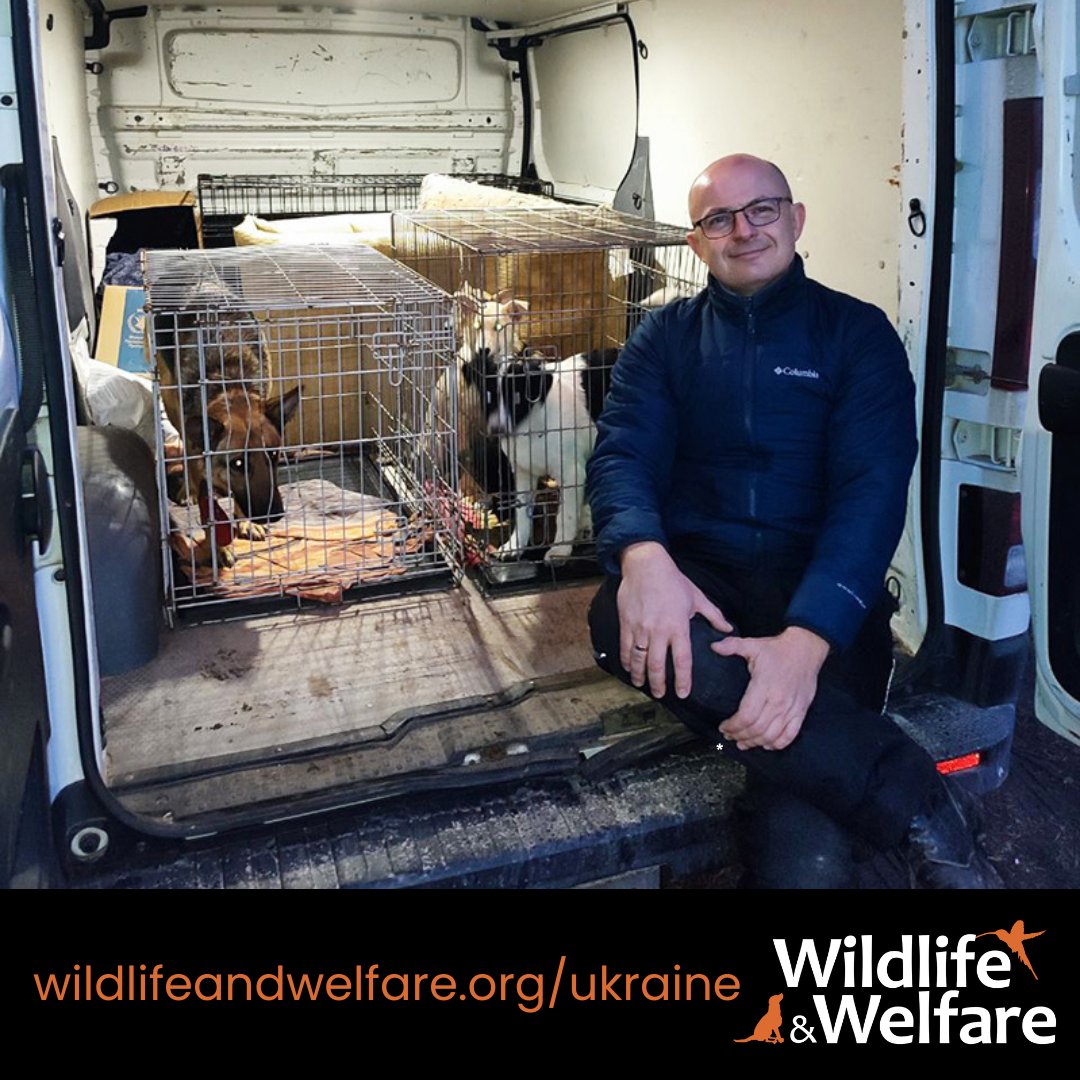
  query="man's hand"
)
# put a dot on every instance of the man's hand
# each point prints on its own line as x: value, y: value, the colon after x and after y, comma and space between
x: 783, y: 682
x: 656, y: 603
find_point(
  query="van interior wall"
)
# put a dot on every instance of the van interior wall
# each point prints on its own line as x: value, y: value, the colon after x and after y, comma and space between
x: 310, y: 90
x: 62, y: 31
x: 814, y: 87
x: 585, y: 110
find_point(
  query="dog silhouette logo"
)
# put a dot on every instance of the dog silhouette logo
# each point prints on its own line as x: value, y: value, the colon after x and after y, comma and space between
x: 767, y: 1029
x: 1015, y: 939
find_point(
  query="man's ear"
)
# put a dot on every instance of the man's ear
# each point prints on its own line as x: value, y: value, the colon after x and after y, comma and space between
x: 693, y: 240
x: 799, y: 216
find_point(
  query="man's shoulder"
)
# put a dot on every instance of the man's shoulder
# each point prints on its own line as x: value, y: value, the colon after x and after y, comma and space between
x: 667, y: 324
x: 856, y: 327
x: 844, y: 305
x: 681, y: 309
x: 864, y: 340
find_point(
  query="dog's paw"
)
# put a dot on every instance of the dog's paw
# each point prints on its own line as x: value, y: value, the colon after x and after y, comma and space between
x: 251, y: 530
x: 203, y: 550
x: 508, y: 552
x: 198, y: 549
x: 558, y: 553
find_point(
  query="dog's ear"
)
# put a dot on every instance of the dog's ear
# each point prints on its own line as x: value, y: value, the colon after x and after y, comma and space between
x: 477, y: 369
x: 469, y: 300
x: 279, y: 411
x: 193, y: 432
x: 469, y: 373
x: 513, y: 310
x: 217, y: 431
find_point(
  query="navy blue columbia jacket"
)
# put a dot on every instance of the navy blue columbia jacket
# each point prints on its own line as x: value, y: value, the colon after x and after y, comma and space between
x: 771, y: 431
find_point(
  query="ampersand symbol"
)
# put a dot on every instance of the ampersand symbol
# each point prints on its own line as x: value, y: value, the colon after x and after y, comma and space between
x: 800, y: 1027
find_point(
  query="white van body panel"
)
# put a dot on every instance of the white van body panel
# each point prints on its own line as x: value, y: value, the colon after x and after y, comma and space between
x: 917, y: 182
x: 64, y: 762
x: 1057, y: 314
x: 981, y: 423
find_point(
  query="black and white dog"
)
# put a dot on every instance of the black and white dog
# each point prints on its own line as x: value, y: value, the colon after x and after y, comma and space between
x: 544, y: 415
x: 489, y: 335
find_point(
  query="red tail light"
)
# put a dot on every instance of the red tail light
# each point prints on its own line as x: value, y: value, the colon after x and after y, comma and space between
x: 959, y: 764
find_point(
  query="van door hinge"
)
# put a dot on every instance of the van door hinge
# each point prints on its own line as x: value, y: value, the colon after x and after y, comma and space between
x: 635, y: 195
x: 1011, y: 33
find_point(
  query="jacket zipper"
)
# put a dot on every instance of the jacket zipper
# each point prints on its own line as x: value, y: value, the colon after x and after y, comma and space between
x: 750, y: 359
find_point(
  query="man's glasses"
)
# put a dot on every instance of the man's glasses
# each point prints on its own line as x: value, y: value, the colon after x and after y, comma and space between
x: 759, y: 212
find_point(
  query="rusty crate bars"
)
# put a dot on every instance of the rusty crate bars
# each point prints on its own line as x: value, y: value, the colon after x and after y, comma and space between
x: 545, y: 299
x: 310, y: 455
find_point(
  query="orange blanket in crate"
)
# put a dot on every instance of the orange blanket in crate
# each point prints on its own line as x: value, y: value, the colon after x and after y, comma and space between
x: 328, y: 540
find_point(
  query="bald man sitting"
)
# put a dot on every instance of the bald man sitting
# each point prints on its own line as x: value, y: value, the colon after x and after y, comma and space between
x: 748, y: 490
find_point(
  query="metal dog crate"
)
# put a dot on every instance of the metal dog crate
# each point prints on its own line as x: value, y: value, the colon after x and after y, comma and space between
x: 224, y: 201
x: 545, y: 299
x: 339, y: 348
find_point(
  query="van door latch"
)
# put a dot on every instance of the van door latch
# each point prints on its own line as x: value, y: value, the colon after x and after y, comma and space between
x: 59, y: 240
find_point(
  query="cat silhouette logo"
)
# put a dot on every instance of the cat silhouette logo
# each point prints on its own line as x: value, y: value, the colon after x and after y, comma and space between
x: 767, y: 1029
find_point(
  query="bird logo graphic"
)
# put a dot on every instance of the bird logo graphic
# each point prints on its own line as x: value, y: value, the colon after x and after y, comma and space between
x: 1015, y: 939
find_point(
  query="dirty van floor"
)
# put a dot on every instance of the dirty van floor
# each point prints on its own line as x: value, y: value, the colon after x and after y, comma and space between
x: 229, y: 690
x: 1032, y: 822
x: 672, y: 811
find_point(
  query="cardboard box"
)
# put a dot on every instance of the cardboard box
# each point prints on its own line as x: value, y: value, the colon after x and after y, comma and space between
x: 155, y: 219
x: 122, y: 330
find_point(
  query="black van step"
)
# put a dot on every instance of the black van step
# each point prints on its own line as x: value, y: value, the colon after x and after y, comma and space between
x: 674, y: 811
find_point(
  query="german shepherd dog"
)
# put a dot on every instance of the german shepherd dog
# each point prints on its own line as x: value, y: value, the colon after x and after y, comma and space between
x: 238, y: 433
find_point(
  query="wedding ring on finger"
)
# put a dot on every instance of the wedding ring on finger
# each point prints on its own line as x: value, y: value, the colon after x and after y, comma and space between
x: 641, y: 648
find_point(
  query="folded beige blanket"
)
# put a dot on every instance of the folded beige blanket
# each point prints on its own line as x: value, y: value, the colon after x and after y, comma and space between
x: 328, y: 540
x: 370, y: 229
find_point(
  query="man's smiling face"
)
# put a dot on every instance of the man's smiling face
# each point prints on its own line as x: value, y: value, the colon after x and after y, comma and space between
x: 749, y: 257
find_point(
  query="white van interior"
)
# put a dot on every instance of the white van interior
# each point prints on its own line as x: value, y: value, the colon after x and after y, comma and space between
x: 239, y: 715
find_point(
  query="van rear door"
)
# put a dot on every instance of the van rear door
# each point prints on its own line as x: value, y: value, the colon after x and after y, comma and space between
x: 1051, y: 441
x: 24, y: 516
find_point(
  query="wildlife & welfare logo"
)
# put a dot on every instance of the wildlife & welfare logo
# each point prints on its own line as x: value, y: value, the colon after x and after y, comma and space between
x: 914, y: 989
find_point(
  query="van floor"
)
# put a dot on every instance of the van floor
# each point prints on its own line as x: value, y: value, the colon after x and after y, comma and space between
x: 674, y: 810
x: 240, y: 693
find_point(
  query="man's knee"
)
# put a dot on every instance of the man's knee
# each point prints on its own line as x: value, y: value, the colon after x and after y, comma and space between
x: 604, y: 626
x: 718, y: 682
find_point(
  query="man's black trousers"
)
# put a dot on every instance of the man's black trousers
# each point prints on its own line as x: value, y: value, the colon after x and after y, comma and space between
x: 848, y: 760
